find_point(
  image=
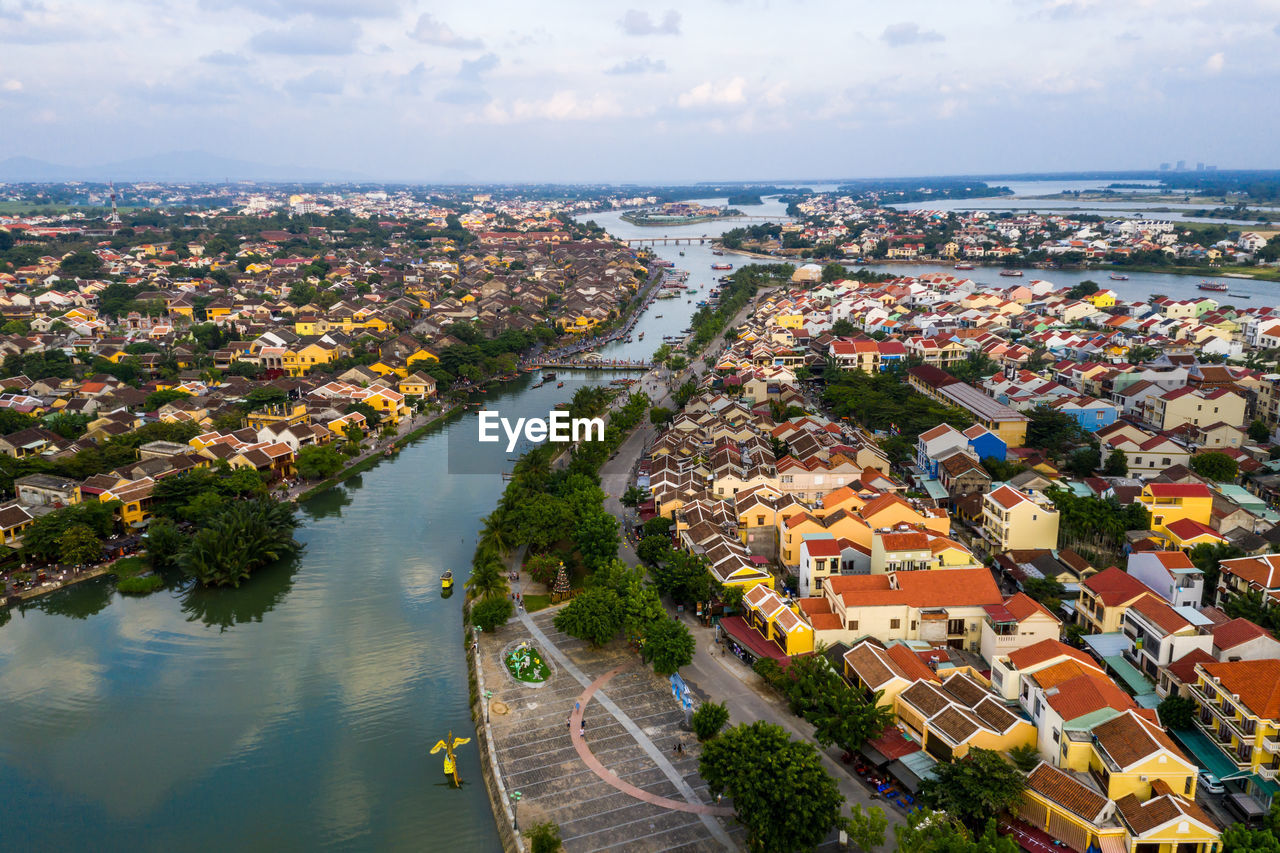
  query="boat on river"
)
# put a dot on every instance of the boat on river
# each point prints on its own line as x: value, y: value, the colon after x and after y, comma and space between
x: 446, y: 580
x: 1215, y: 286
x: 1115, y: 276
x: 1011, y: 273
x: 548, y: 377
x: 1239, y: 295
x: 722, y: 266
x: 963, y: 266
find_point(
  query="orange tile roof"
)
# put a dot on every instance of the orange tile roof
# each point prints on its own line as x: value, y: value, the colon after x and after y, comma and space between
x: 1086, y: 694
x: 1115, y: 587
x: 1231, y: 634
x: 1256, y: 682
x: 1023, y: 606
x: 1045, y: 650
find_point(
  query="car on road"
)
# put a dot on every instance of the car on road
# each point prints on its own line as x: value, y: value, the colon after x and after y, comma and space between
x: 1210, y: 784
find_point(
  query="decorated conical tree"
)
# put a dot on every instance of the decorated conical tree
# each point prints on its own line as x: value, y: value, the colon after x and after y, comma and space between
x: 560, y: 589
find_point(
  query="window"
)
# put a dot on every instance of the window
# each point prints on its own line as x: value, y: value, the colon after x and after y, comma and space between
x: 759, y: 520
x: 817, y: 583
x: 895, y: 624
x: 853, y: 624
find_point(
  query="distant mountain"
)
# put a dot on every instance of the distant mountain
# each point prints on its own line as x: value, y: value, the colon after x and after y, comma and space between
x: 172, y: 166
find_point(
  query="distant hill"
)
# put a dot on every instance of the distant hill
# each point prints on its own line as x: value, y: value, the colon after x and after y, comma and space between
x: 170, y: 167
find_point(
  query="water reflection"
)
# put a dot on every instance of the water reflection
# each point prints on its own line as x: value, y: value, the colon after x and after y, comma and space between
x: 79, y: 601
x: 226, y: 607
x: 329, y: 503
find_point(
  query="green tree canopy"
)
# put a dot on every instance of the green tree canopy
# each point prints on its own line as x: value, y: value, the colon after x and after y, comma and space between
x: 781, y: 793
x: 594, y: 616
x: 1215, y: 465
x: 668, y: 645
x: 975, y: 787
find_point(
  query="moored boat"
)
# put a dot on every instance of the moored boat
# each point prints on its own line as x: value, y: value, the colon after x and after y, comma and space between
x: 722, y: 266
x: 964, y: 266
x: 1215, y: 286
x: 1011, y: 273
x: 1118, y: 277
x: 446, y: 580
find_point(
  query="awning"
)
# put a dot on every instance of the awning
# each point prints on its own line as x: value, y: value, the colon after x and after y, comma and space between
x: 890, y: 746
x: 1129, y: 674
x: 751, y: 640
x: 913, y: 768
x: 1204, y: 752
x: 1111, y: 844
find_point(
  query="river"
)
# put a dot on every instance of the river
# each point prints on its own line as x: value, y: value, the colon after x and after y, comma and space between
x: 296, y: 712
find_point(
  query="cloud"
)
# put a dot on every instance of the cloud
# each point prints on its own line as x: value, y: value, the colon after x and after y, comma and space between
x: 16, y: 11
x: 639, y: 65
x: 308, y: 39
x: 464, y: 96
x: 284, y: 9
x: 905, y: 33
x: 431, y: 31
x: 225, y: 58
x: 638, y: 23
x: 12, y: 86
x: 708, y: 94
x: 473, y: 69
x: 562, y: 106
x: 319, y: 82
x: 1214, y: 63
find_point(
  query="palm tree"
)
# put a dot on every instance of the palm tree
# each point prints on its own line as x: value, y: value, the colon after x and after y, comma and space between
x: 495, y: 534
x: 488, y: 578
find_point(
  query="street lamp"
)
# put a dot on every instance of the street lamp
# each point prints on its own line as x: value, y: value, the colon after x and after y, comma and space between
x: 488, y: 694
x: 515, y: 809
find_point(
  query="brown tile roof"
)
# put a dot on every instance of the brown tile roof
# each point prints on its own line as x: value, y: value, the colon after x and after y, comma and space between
x: 1129, y: 739
x: 1053, y: 784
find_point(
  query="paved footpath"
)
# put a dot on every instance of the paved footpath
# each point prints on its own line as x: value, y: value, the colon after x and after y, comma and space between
x: 632, y: 727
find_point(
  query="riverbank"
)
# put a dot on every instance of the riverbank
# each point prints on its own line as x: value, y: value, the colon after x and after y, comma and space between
x: 1237, y: 272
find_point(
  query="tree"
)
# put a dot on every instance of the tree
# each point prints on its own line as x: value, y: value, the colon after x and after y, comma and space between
x: 842, y: 328
x: 594, y: 616
x: 781, y: 793
x: 496, y: 533
x: 631, y: 497
x: 668, y: 645
x: 1025, y: 757
x: 489, y: 614
x: 867, y: 828
x: 1084, y: 461
x: 1259, y: 431
x: 596, y: 537
x: 542, y: 568
x: 657, y: 526
x: 1176, y: 711
x: 544, y: 838
x: 1047, y: 591
x: 848, y: 720
x: 1208, y: 559
x: 938, y: 832
x: 1214, y: 465
x: 659, y: 415
x: 353, y: 435
x: 833, y: 272
x: 708, y: 719
x: 79, y: 546
x: 318, y: 461
x: 1054, y: 431
x: 975, y: 787
x: 684, y: 577
x: 1083, y: 289
x: 81, y: 264
x: 164, y: 542
x: 652, y: 549
x: 242, y: 537
x: 156, y: 399
x: 488, y: 577
x: 1117, y: 464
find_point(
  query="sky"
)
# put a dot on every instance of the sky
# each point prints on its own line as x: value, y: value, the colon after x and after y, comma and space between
x: 640, y: 91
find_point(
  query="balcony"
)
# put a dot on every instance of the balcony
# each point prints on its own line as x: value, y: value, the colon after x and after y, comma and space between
x: 1268, y: 773
x: 1271, y: 744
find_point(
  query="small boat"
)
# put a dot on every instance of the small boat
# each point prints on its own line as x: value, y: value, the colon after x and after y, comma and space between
x: 1215, y: 286
x: 1240, y: 295
x: 560, y: 384
x: 722, y: 266
x: 548, y: 377
x: 682, y: 254
x: 1119, y: 277
x: 446, y: 580
x: 716, y: 252
x: 1011, y: 273
x: 964, y: 266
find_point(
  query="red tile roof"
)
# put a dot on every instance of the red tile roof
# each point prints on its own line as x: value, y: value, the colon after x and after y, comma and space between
x: 1114, y: 587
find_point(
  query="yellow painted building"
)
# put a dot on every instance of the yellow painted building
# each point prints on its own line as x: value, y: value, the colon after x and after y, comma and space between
x: 1170, y: 502
x: 1238, y: 709
x: 766, y: 612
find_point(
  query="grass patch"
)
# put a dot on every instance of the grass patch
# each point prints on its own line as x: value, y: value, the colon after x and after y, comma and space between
x: 534, y: 603
x: 128, y: 567
x: 525, y: 663
x: 140, y: 585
